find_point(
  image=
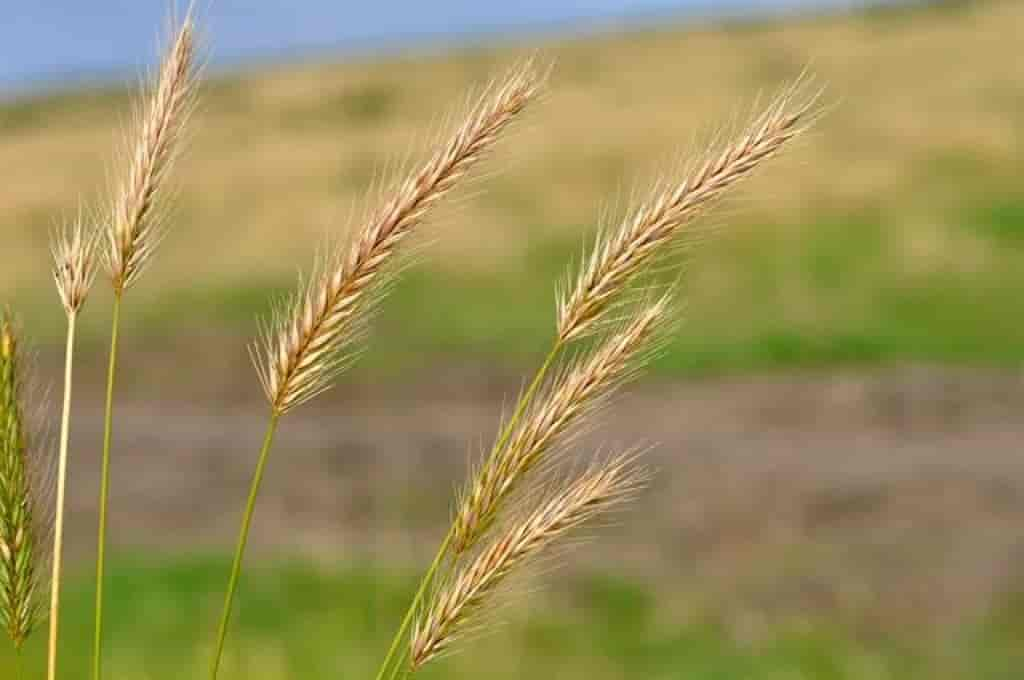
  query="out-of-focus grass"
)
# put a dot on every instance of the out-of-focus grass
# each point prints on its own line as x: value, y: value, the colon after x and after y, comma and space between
x: 829, y: 294
x: 296, y: 621
x: 894, y: 232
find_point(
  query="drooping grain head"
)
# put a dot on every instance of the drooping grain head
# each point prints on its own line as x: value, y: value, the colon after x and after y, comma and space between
x: 648, y: 234
x: 74, y: 265
x: 562, y: 409
x: 470, y: 592
x: 135, y: 228
x: 304, y: 349
x: 19, y: 606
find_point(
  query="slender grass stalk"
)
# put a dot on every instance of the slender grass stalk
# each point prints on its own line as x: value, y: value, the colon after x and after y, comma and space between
x: 74, y: 269
x: 243, y: 538
x: 101, y: 541
x: 134, y: 231
x: 304, y: 350
x: 58, y: 526
x: 410, y: 614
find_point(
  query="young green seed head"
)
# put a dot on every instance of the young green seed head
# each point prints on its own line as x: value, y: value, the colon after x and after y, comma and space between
x: 19, y: 606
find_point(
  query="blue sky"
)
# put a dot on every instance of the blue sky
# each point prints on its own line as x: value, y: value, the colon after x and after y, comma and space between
x: 54, y: 40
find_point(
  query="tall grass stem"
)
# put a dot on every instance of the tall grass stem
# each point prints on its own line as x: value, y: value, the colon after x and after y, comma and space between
x: 101, y: 542
x: 421, y: 592
x: 58, y: 525
x: 243, y: 538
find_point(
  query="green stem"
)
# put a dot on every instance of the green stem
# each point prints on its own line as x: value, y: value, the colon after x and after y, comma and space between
x: 442, y: 552
x: 243, y: 538
x: 527, y: 397
x: 58, y: 520
x: 101, y: 543
x: 414, y: 606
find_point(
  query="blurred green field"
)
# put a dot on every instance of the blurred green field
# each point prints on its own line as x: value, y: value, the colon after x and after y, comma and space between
x: 299, y: 621
x: 894, y: 233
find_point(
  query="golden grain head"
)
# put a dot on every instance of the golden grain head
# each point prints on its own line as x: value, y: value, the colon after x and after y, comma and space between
x: 135, y: 226
x: 305, y: 348
x: 74, y: 265
x: 562, y: 409
x: 459, y: 603
x: 649, y: 233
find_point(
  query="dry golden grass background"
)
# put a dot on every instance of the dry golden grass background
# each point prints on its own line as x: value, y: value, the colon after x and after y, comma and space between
x: 921, y: 141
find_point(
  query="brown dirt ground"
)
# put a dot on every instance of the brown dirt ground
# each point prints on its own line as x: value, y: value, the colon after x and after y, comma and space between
x: 893, y: 497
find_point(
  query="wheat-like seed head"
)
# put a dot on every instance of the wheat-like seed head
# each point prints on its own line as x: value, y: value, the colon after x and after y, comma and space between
x: 303, y: 351
x: 134, y: 230
x: 19, y: 606
x: 74, y: 265
x: 469, y: 591
x: 574, y: 395
x: 620, y: 256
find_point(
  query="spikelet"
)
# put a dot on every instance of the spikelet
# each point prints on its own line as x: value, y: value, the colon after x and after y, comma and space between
x: 572, y: 397
x: 19, y: 605
x: 134, y: 229
x: 470, y: 590
x: 74, y: 265
x: 302, y: 352
x: 645, y: 235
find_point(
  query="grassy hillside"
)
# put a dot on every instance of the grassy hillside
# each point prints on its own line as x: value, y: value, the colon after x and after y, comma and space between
x: 895, y: 232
